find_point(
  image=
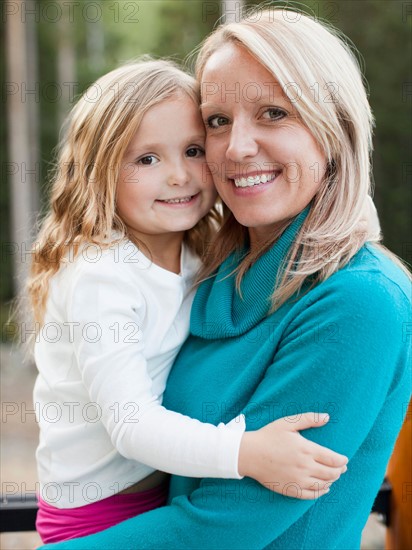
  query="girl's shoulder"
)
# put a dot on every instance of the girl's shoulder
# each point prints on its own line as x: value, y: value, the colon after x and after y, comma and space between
x: 98, y: 273
x: 94, y: 257
x: 112, y: 263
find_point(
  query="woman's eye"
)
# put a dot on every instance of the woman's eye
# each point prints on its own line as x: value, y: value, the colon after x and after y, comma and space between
x: 274, y: 113
x: 148, y: 160
x: 194, y: 152
x: 216, y: 121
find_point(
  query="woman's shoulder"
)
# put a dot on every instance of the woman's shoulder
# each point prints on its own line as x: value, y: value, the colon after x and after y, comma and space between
x: 371, y: 284
x: 374, y: 270
x: 368, y: 300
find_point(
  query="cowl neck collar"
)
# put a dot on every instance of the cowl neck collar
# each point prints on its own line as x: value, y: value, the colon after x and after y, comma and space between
x: 220, y: 312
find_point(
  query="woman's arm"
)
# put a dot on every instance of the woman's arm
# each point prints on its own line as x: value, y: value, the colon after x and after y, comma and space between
x: 365, y: 355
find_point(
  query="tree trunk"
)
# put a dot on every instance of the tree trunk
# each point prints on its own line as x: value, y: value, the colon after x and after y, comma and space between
x: 66, y: 62
x: 23, y: 96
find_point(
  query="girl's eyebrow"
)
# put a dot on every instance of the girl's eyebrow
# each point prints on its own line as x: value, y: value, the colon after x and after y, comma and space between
x: 140, y: 148
x: 190, y: 139
x: 153, y: 146
x: 209, y: 105
x: 197, y: 137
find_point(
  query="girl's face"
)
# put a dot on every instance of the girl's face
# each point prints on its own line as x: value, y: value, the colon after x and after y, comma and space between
x: 164, y: 185
x: 265, y: 163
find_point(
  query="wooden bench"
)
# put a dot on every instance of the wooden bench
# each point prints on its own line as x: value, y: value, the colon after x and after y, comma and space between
x: 18, y: 513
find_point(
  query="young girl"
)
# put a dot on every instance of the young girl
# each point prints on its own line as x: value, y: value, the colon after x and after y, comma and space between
x: 132, y: 207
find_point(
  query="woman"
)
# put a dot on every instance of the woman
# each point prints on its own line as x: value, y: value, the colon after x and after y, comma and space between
x: 299, y: 310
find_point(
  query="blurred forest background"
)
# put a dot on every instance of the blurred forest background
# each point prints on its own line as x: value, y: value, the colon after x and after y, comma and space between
x: 71, y: 43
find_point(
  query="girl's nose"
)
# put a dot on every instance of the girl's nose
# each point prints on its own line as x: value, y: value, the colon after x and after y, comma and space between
x: 179, y: 175
x: 242, y: 144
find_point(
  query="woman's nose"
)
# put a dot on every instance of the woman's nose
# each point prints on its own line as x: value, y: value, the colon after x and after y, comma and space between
x: 242, y: 143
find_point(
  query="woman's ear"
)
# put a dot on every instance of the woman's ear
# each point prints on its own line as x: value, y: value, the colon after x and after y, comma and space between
x: 369, y: 222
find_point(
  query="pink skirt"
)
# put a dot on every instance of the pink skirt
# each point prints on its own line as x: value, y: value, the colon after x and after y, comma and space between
x: 58, y: 524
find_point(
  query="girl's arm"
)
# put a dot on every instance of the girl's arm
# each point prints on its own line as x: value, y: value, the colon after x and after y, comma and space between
x: 115, y: 373
x: 242, y: 513
x: 278, y: 456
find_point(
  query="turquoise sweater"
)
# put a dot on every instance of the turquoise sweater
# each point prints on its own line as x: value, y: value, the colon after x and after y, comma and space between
x: 343, y: 347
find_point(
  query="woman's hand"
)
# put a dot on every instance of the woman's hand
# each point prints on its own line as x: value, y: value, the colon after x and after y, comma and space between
x: 282, y: 460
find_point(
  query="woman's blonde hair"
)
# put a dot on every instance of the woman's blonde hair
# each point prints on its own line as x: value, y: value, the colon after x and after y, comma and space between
x: 320, y: 74
x: 83, y: 193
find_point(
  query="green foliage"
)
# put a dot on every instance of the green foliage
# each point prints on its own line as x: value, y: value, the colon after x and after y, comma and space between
x: 104, y: 34
x: 381, y: 31
x: 108, y: 33
x: 126, y: 30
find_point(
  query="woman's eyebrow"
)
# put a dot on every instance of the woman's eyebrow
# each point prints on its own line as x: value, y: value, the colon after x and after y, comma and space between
x: 264, y: 99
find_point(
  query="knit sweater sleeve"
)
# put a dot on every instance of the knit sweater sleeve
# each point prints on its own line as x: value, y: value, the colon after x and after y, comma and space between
x: 332, y: 352
x: 108, y: 311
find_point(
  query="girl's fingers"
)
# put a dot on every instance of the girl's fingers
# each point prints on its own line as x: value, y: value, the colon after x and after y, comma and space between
x: 307, y: 420
x: 327, y: 457
x: 314, y: 489
x: 324, y: 473
x: 308, y: 494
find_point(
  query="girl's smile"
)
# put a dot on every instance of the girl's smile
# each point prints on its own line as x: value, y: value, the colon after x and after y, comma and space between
x: 180, y: 201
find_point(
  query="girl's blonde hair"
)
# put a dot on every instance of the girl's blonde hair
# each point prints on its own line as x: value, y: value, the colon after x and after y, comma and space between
x: 320, y: 74
x: 83, y: 193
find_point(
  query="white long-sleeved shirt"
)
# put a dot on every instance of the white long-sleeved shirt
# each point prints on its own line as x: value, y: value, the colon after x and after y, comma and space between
x: 114, y: 324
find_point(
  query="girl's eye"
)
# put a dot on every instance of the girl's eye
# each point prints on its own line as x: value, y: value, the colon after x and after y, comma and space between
x: 216, y: 121
x: 194, y: 152
x: 148, y: 160
x: 274, y: 113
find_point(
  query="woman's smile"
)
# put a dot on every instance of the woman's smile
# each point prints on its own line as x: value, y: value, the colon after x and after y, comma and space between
x: 252, y: 180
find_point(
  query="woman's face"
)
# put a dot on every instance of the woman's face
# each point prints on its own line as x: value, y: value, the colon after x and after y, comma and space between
x: 265, y: 163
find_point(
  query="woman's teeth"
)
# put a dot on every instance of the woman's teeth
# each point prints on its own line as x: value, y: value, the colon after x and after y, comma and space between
x: 178, y: 201
x: 254, y: 180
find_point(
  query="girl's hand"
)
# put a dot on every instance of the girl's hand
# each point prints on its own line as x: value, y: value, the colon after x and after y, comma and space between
x: 282, y: 460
